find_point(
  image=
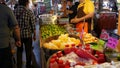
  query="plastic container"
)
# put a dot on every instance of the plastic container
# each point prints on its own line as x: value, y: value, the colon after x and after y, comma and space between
x: 80, y: 53
x: 80, y: 45
x: 87, y: 46
x: 101, y: 55
x: 55, y: 57
x: 101, y: 58
x: 53, y: 63
x: 74, y: 49
x: 84, y: 54
x: 61, y: 64
x: 67, y: 49
x: 88, y: 49
x: 59, y: 54
x: 67, y: 65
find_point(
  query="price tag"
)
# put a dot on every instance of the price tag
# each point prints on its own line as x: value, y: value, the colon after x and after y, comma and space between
x: 104, y: 35
x: 112, y: 41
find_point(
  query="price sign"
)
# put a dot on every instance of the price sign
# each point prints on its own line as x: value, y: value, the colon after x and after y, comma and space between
x: 104, y: 35
x: 112, y: 41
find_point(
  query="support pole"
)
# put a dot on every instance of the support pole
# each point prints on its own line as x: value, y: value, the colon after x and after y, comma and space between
x: 118, y: 46
x: 119, y: 23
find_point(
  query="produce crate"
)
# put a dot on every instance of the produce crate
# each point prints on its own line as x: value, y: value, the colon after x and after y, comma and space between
x: 48, y: 19
x: 63, y: 20
x: 49, y: 52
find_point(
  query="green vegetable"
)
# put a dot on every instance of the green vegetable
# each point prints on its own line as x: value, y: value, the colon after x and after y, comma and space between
x: 51, y: 30
x: 99, y: 45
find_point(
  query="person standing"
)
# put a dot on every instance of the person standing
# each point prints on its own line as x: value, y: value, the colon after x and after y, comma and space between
x: 85, y: 12
x: 26, y: 21
x: 63, y: 9
x: 8, y: 23
x: 72, y: 10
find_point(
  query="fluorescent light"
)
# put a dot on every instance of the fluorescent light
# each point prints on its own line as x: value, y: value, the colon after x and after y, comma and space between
x: 118, y: 1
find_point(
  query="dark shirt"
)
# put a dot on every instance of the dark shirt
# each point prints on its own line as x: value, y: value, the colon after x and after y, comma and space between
x: 26, y: 21
x: 74, y: 9
x: 7, y: 22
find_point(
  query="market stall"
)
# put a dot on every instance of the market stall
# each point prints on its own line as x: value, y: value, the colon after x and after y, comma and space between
x: 49, y: 27
x: 50, y: 49
x: 54, y: 38
x: 62, y: 46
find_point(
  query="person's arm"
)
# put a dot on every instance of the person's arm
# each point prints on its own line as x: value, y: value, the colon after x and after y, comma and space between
x: 90, y: 13
x: 69, y: 11
x: 13, y: 24
x: 16, y: 31
x: 76, y: 20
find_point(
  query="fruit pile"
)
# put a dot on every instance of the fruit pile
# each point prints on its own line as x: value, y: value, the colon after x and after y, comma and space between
x: 60, y: 43
x: 88, y: 38
x: 76, y: 56
x: 51, y: 30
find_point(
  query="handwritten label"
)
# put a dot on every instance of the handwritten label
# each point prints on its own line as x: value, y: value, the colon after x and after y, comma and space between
x: 112, y: 42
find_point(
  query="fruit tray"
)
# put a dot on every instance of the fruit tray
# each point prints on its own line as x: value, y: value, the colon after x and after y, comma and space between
x: 49, y: 52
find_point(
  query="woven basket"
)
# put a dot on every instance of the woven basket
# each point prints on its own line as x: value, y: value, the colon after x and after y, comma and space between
x: 49, y: 52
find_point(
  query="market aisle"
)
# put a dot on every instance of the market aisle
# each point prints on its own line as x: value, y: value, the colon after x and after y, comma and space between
x: 36, y: 52
x: 36, y: 49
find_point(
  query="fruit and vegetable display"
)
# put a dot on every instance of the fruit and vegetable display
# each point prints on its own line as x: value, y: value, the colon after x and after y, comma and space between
x: 60, y: 43
x: 89, y: 38
x: 78, y: 57
x: 65, y: 51
x: 99, y: 45
x: 51, y: 30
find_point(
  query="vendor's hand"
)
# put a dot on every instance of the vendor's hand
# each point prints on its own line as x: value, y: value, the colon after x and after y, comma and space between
x: 68, y: 11
x: 75, y: 20
x: 18, y: 43
x: 72, y: 20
